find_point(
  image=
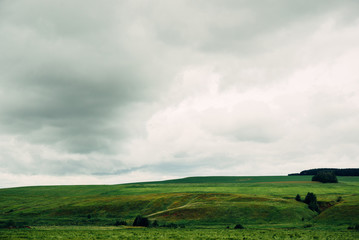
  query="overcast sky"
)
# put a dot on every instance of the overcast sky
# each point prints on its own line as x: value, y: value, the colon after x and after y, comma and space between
x: 102, y: 92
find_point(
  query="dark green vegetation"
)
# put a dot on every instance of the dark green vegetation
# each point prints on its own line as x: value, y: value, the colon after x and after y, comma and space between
x: 311, y: 200
x: 325, y: 177
x: 141, y: 222
x: 89, y: 233
x: 337, y: 171
x: 197, y: 202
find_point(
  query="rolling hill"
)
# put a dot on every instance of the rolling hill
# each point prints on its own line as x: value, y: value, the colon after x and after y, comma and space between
x: 193, y: 201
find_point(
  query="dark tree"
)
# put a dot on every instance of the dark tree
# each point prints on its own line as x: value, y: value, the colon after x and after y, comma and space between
x: 314, y: 206
x: 311, y: 197
x: 298, y: 198
x: 311, y: 200
x: 141, y: 221
x: 325, y: 177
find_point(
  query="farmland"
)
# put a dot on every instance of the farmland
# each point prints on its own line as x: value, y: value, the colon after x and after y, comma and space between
x: 204, y: 206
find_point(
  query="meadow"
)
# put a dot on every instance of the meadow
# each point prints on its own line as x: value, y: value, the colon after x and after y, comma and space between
x: 152, y: 233
x: 203, y: 206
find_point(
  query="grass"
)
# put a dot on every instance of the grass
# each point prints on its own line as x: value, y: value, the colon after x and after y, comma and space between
x: 160, y: 233
x: 196, y: 201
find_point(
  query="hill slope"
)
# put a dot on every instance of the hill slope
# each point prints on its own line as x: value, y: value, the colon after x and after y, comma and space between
x: 191, y: 201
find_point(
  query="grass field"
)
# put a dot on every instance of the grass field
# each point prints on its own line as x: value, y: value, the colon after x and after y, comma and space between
x: 213, y: 203
x: 152, y: 233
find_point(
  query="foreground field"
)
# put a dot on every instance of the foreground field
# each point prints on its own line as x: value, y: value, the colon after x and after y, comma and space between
x: 151, y: 233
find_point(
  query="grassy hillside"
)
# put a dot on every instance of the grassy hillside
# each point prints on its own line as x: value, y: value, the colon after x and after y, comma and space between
x: 252, y: 201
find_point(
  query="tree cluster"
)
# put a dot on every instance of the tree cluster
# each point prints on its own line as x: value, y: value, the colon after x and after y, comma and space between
x: 325, y: 177
x: 336, y: 171
x: 311, y: 200
x: 141, y: 221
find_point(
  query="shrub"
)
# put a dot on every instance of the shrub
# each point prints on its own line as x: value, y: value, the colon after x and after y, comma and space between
x: 354, y: 227
x: 298, y: 198
x: 141, y: 221
x: 325, y: 177
x: 119, y: 223
x: 311, y: 200
x: 155, y: 224
x: 314, y: 206
x: 238, y: 226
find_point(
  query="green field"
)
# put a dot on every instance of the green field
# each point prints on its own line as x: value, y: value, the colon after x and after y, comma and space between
x: 156, y: 233
x: 200, y: 204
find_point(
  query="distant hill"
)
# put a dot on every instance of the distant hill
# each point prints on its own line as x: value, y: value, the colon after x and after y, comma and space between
x: 337, y: 171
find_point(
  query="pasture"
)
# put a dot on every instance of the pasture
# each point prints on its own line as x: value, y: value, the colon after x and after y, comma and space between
x: 89, y: 233
x: 205, y: 206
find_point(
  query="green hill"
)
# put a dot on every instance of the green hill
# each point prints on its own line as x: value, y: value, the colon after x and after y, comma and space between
x: 253, y: 201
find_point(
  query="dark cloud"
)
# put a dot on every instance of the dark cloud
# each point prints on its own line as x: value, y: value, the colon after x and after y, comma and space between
x: 172, y: 87
x: 67, y: 69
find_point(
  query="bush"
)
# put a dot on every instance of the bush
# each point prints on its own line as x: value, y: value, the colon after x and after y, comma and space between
x: 141, y: 221
x: 354, y: 227
x: 238, y: 226
x: 155, y: 224
x: 311, y: 200
x: 120, y: 223
x: 298, y: 198
x: 311, y: 197
x: 325, y: 177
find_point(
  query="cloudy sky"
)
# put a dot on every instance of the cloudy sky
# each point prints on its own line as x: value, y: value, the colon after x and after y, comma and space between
x: 102, y: 92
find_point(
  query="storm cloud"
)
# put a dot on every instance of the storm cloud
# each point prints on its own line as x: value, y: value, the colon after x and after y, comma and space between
x: 123, y: 91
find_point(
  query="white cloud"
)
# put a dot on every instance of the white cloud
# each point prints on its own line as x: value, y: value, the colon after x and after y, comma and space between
x: 131, y: 91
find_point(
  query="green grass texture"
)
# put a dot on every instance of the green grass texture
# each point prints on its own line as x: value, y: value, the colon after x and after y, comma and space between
x: 265, y: 201
x: 89, y: 233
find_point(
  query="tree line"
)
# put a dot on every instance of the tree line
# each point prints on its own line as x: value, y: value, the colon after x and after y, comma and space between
x: 336, y: 171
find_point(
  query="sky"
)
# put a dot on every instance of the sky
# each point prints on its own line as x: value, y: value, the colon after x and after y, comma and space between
x: 108, y: 92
